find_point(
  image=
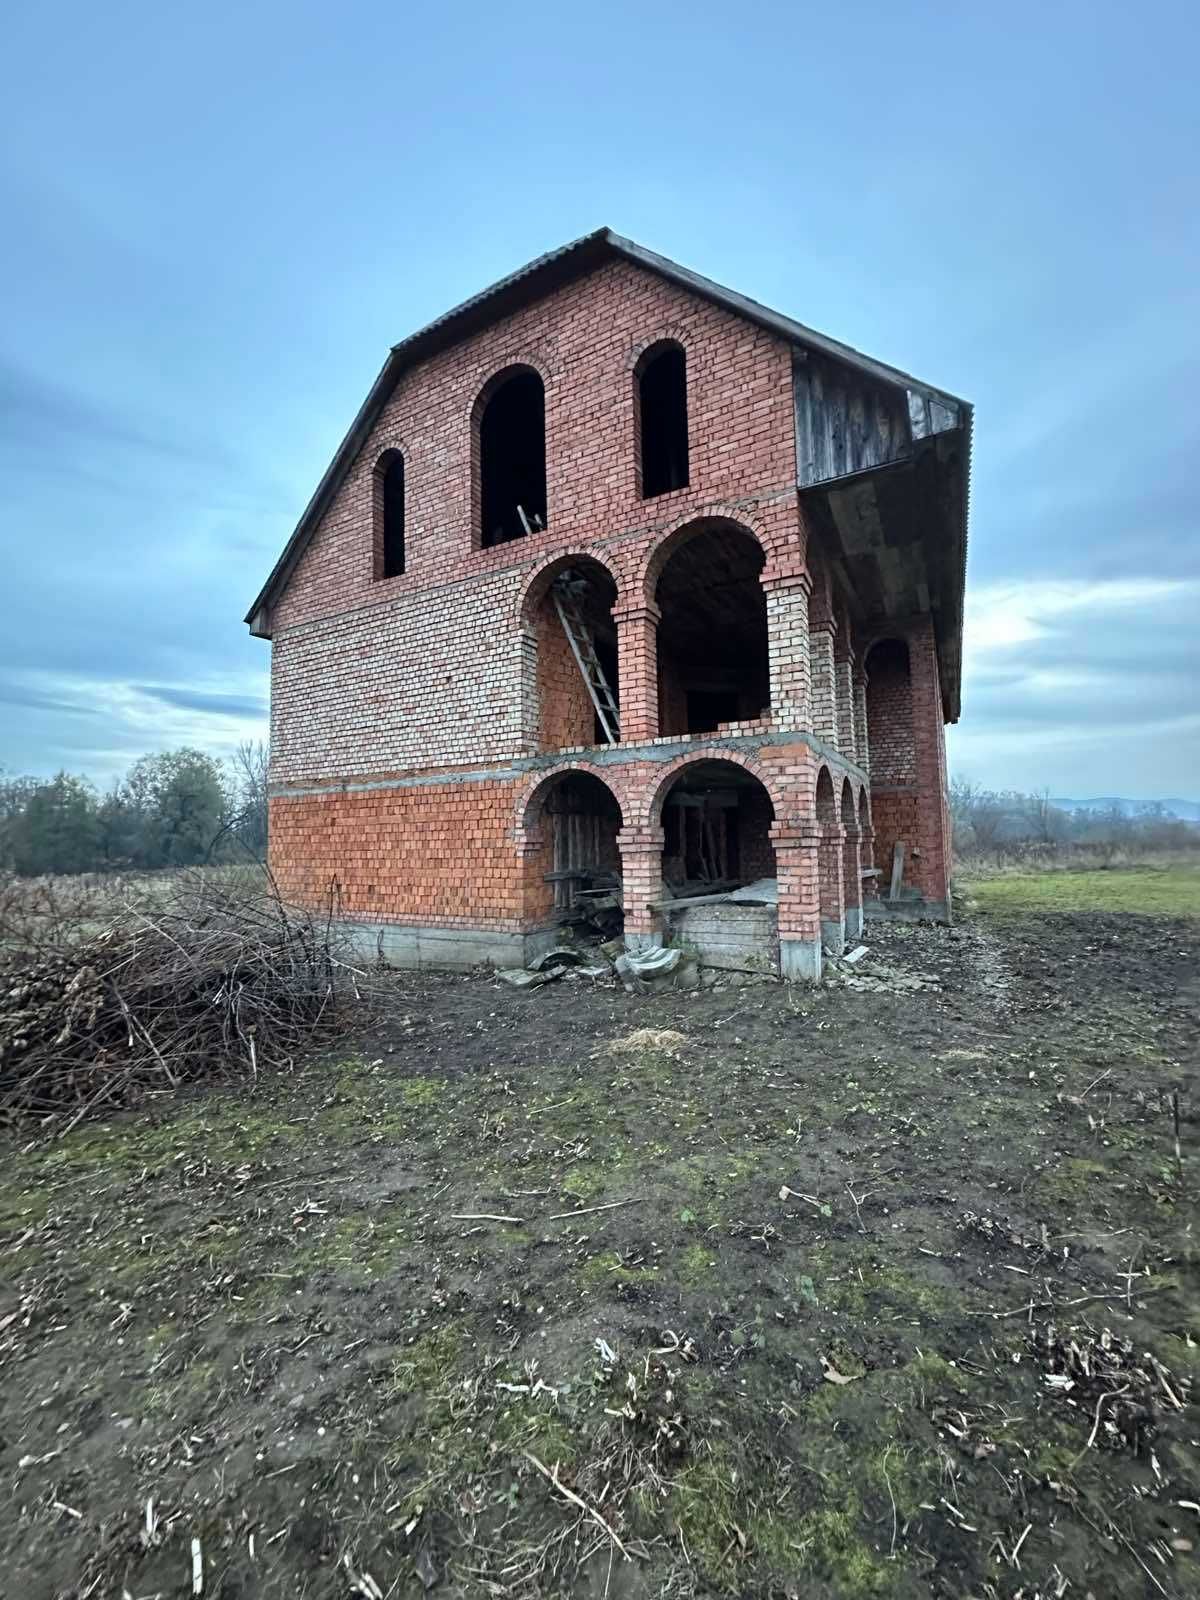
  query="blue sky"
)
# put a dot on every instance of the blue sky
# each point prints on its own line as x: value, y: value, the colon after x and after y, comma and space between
x: 217, y: 220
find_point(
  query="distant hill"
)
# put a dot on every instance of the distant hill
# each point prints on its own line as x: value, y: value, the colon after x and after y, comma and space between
x: 1186, y: 810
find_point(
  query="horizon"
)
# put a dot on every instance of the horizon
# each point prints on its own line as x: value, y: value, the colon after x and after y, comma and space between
x: 196, y: 317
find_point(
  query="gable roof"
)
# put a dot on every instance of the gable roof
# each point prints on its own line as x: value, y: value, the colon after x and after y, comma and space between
x: 533, y: 282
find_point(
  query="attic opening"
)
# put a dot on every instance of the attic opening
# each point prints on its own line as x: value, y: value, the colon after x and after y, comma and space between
x: 713, y: 664
x: 716, y: 821
x: 388, y: 490
x: 575, y: 871
x: 662, y: 420
x: 577, y: 682
x: 512, y: 457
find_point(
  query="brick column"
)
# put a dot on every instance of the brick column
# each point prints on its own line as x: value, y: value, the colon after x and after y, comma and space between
x: 637, y: 669
x: 787, y: 587
x: 843, y: 669
x: 833, y: 904
x: 797, y: 870
x: 866, y: 858
x: 642, y: 881
x: 862, y: 743
x: 852, y: 890
x: 931, y: 871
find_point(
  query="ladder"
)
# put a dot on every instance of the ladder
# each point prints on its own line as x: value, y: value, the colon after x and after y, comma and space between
x: 566, y: 603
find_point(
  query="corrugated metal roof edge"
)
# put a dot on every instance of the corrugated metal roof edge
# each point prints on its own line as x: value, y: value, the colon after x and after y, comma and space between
x: 529, y: 282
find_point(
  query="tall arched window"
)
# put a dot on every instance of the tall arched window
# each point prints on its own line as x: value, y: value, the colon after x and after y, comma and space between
x: 389, y: 515
x: 662, y: 420
x: 512, y: 457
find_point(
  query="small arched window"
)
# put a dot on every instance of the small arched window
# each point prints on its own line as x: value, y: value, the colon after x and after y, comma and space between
x: 662, y: 420
x: 512, y: 458
x: 389, y: 515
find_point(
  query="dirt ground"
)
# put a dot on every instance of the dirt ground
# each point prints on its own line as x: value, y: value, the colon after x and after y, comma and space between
x: 883, y: 1290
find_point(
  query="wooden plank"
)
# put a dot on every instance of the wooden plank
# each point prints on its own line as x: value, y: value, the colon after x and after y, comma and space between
x: 897, y: 870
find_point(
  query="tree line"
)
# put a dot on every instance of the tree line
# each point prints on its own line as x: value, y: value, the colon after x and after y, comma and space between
x: 179, y: 808
x: 1005, y: 822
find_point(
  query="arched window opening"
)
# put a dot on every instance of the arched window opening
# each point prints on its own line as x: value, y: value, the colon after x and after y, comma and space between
x: 893, y: 762
x: 718, y: 867
x: 713, y: 663
x: 575, y: 872
x: 577, y: 682
x: 389, y: 515
x: 512, y: 459
x: 662, y: 420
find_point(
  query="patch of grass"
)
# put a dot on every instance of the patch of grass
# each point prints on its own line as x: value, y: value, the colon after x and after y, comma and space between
x: 607, y: 1267
x: 1149, y: 891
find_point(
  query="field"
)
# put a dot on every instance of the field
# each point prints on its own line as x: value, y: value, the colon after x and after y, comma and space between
x: 1171, y: 891
x: 885, y: 1290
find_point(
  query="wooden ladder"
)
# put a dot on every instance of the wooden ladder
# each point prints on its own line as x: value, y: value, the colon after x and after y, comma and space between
x: 579, y: 637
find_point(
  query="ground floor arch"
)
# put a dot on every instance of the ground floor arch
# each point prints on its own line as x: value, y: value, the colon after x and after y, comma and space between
x: 571, y: 857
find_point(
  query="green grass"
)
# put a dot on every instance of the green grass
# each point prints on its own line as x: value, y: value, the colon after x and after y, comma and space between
x: 1151, y: 891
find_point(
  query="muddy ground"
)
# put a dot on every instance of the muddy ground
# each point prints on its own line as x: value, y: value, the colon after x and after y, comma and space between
x: 886, y: 1290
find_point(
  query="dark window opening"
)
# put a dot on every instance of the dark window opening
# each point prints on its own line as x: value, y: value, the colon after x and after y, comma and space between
x: 713, y: 664
x: 576, y: 875
x: 716, y: 830
x: 512, y: 460
x: 662, y: 411
x: 392, y: 493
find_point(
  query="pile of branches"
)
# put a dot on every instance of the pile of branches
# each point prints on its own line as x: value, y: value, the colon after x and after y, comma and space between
x: 105, y: 999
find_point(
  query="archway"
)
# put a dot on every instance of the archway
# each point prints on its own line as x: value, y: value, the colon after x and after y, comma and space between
x: 510, y: 456
x: 716, y: 820
x: 569, y: 614
x: 572, y: 860
x: 713, y: 663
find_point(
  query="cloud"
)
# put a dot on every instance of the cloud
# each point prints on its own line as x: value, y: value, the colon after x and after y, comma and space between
x: 1073, y: 684
x: 100, y: 726
x: 206, y: 702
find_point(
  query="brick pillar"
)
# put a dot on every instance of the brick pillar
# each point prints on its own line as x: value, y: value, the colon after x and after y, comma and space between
x: 833, y: 904
x: 852, y: 890
x: 797, y: 870
x: 637, y: 669
x: 843, y: 671
x: 642, y: 881
x: 862, y: 743
x: 931, y: 871
x: 787, y: 587
x: 866, y: 857
x: 824, y: 687
x: 529, y: 718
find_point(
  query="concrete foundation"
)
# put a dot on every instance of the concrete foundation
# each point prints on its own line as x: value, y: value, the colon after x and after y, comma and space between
x: 444, y: 949
x: 800, y: 960
x: 854, y: 923
x: 736, y: 938
x: 833, y: 936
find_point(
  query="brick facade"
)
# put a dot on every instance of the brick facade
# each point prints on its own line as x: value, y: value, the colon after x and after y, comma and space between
x: 417, y: 722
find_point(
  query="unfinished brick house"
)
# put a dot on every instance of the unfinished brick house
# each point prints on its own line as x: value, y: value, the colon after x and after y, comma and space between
x: 622, y: 586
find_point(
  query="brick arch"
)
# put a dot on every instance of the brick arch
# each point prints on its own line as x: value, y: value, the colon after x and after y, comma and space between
x: 849, y: 811
x: 649, y: 811
x: 665, y: 333
x: 538, y: 784
x: 864, y: 806
x: 535, y: 587
x: 496, y: 374
x: 824, y: 795
x: 676, y: 534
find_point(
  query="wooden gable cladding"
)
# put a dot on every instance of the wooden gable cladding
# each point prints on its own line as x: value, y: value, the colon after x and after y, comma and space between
x: 848, y: 420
